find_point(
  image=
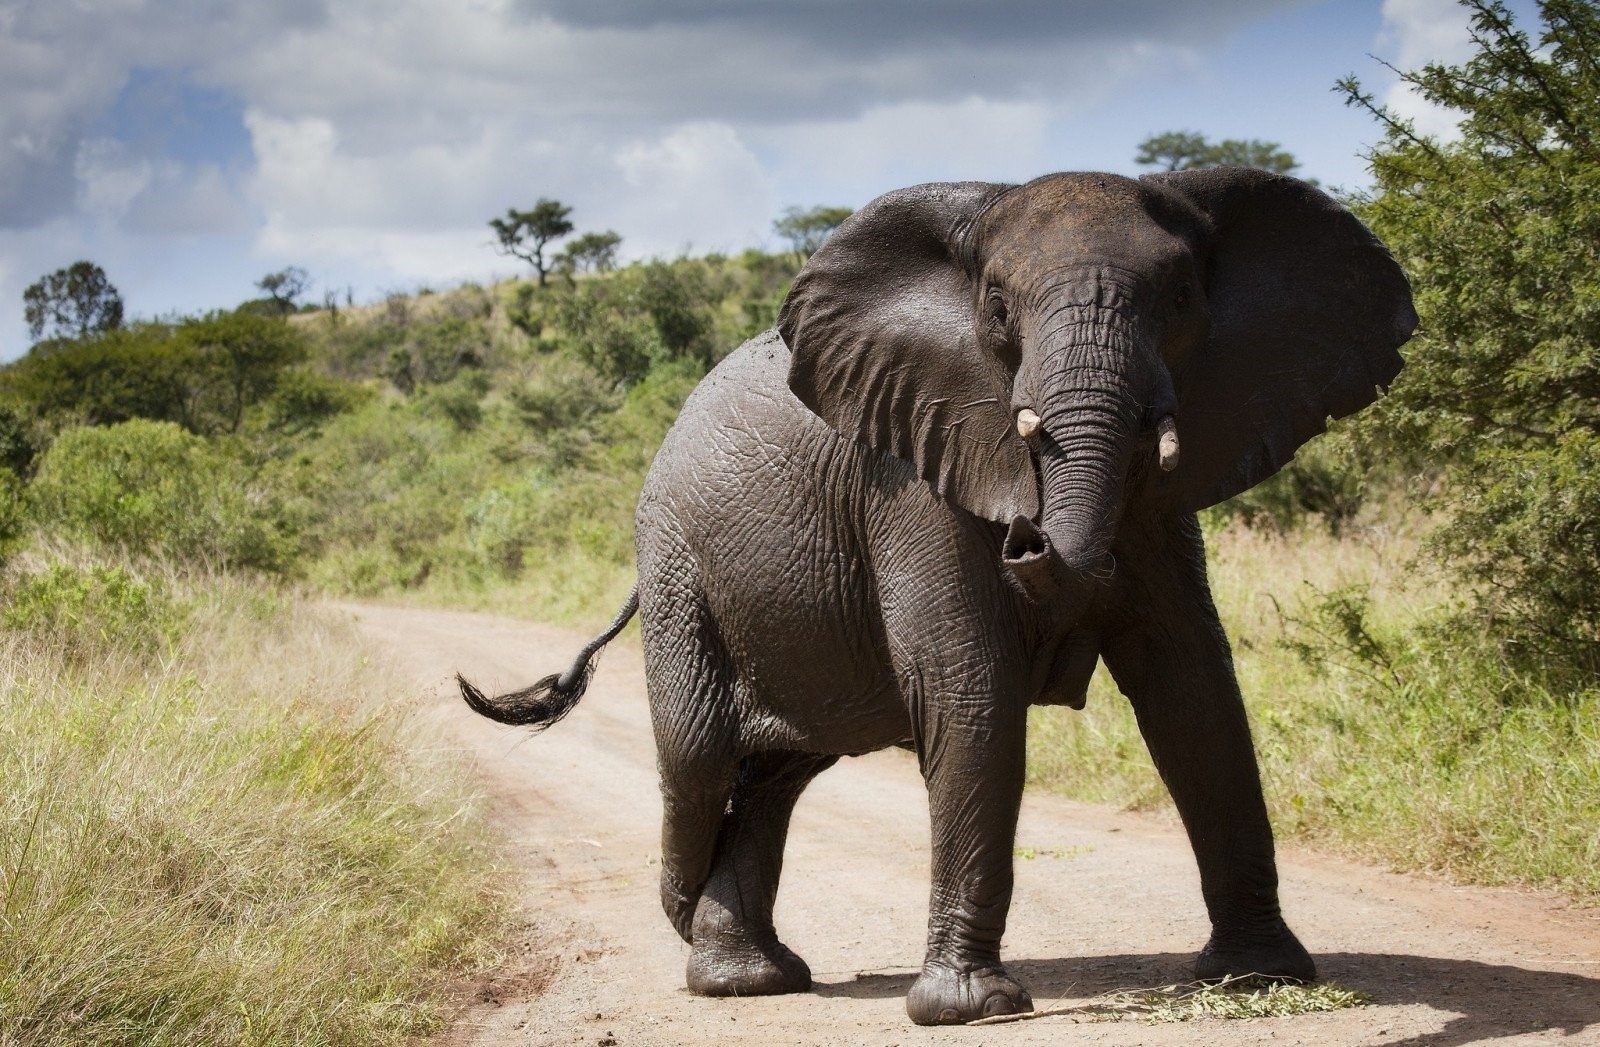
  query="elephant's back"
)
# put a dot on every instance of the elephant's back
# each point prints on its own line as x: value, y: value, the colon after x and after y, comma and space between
x: 741, y: 430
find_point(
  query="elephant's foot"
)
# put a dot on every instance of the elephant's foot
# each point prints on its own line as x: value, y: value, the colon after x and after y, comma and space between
x: 739, y: 962
x: 1275, y: 956
x: 942, y: 995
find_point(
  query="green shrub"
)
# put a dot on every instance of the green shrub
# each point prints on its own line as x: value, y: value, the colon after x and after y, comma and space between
x: 13, y: 512
x: 435, y: 351
x: 152, y: 489
x: 1323, y: 481
x: 70, y: 606
x: 1525, y: 532
x: 304, y: 399
x: 1501, y: 391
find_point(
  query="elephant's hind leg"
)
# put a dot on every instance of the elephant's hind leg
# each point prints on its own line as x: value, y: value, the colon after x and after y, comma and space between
x: 736, y: 950
x: 691, y: 706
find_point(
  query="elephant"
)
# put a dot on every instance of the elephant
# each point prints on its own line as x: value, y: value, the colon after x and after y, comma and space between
x: 962, y: 471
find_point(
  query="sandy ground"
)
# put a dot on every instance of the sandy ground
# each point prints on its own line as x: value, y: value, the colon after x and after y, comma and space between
x: 1108, y: 900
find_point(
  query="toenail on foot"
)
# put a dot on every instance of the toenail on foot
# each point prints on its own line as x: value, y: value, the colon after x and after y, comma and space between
x: 997, y: 1004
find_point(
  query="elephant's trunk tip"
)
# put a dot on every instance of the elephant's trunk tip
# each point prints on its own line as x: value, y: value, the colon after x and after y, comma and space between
x: 1032, y: 564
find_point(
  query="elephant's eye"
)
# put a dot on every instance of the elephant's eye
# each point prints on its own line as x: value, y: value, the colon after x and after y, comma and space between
x: 1181, y: 297
x: 997, y: 312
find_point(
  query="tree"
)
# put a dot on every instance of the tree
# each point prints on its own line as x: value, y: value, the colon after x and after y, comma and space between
x: 202, y: 373
x: 591, y: 253
x: 237, y: 360
x: 1501, y: 392
x: 806, y: 229
x: 284, y: 286
x: 72, y: 303
x: 1185, y: 150
x: 525, y: 234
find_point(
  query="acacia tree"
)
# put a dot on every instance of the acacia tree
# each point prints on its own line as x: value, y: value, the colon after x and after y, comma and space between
x: 807, y: 228
x: 591, y: 252
x: 285, y: 286
x: 1498, y: 230
x: 72, y: 303
x: 525, y: 234
x: 1185, y: 150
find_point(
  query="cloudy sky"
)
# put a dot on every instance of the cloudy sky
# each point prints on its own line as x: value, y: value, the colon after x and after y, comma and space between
x: 189, y: 146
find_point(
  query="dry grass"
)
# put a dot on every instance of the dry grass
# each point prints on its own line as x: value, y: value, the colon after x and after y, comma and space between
x: 1236, y: 997
x: 210, y: 828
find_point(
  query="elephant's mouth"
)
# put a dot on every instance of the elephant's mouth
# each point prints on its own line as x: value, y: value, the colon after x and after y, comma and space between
x: 1034, y: 566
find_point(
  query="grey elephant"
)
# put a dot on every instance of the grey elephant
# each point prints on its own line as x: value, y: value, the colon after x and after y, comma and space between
x: 963, y: 469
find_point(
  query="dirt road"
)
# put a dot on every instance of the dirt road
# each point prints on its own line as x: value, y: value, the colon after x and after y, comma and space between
x: 1107, y: 900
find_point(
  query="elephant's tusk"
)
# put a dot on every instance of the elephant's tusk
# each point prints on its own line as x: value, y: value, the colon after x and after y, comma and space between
x: 1167, y: 443
x: 1027, y: 423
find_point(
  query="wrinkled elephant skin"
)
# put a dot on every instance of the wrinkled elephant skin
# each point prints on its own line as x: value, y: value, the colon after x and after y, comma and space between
x: 944, y: 488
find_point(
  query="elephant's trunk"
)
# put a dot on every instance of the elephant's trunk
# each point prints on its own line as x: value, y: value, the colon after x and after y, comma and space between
x: 1090, y: 409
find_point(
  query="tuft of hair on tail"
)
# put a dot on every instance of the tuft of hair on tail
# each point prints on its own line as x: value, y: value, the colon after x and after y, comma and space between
x: 553, y: 697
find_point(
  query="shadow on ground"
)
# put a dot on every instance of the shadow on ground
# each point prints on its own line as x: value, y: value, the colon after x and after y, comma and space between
x: 1484, y: 1000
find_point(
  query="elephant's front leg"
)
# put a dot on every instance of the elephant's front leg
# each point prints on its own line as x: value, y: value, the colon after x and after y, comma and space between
x: 1171, y: 658
x: 970, y: 746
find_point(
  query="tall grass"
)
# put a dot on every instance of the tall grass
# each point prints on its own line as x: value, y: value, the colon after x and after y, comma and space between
x: 1378, y: 733
x: 211, y: 830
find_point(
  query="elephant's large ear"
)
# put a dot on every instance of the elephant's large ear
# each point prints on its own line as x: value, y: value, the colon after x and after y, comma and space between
x: 881, y: 330
x: 1308, y: 309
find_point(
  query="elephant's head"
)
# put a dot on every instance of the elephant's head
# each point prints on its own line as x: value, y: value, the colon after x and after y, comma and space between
x: 1087, y: 346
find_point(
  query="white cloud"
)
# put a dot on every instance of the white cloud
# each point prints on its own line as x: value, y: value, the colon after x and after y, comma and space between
x: 382, y: 134
x: 696, y: 186
x: 893, y: 145
x: 1417, y: 32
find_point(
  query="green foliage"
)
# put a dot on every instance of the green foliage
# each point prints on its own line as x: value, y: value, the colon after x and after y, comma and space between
x: 435, y: 352
x: 203, y: 373
x: 590, y: 253
x: 135, y: 372
x: 74, y: 302
x: 1186, y: 150
x: 1501, y: 392
x: 1325, y: 481
x: 150, y: 488
x: 13, y: 512
x: 284, y: 287
x: 72, y: 608
x: 805, y: 228
x: 19, y: 439
x: 302, y: 400
x: 647, y: 314
x: 231, y: 362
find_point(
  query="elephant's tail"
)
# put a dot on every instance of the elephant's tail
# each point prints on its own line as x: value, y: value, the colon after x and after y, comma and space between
x: 553, y: 697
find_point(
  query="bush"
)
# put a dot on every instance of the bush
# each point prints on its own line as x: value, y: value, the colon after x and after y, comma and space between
x: 1525, y: 532
x: 13, y: 512
x: 152, y: 489
x: 203, y: 373
x: 69, y: 608
x: 1497, y: 230
x: 436, y: 351
x: 1323, y: 481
